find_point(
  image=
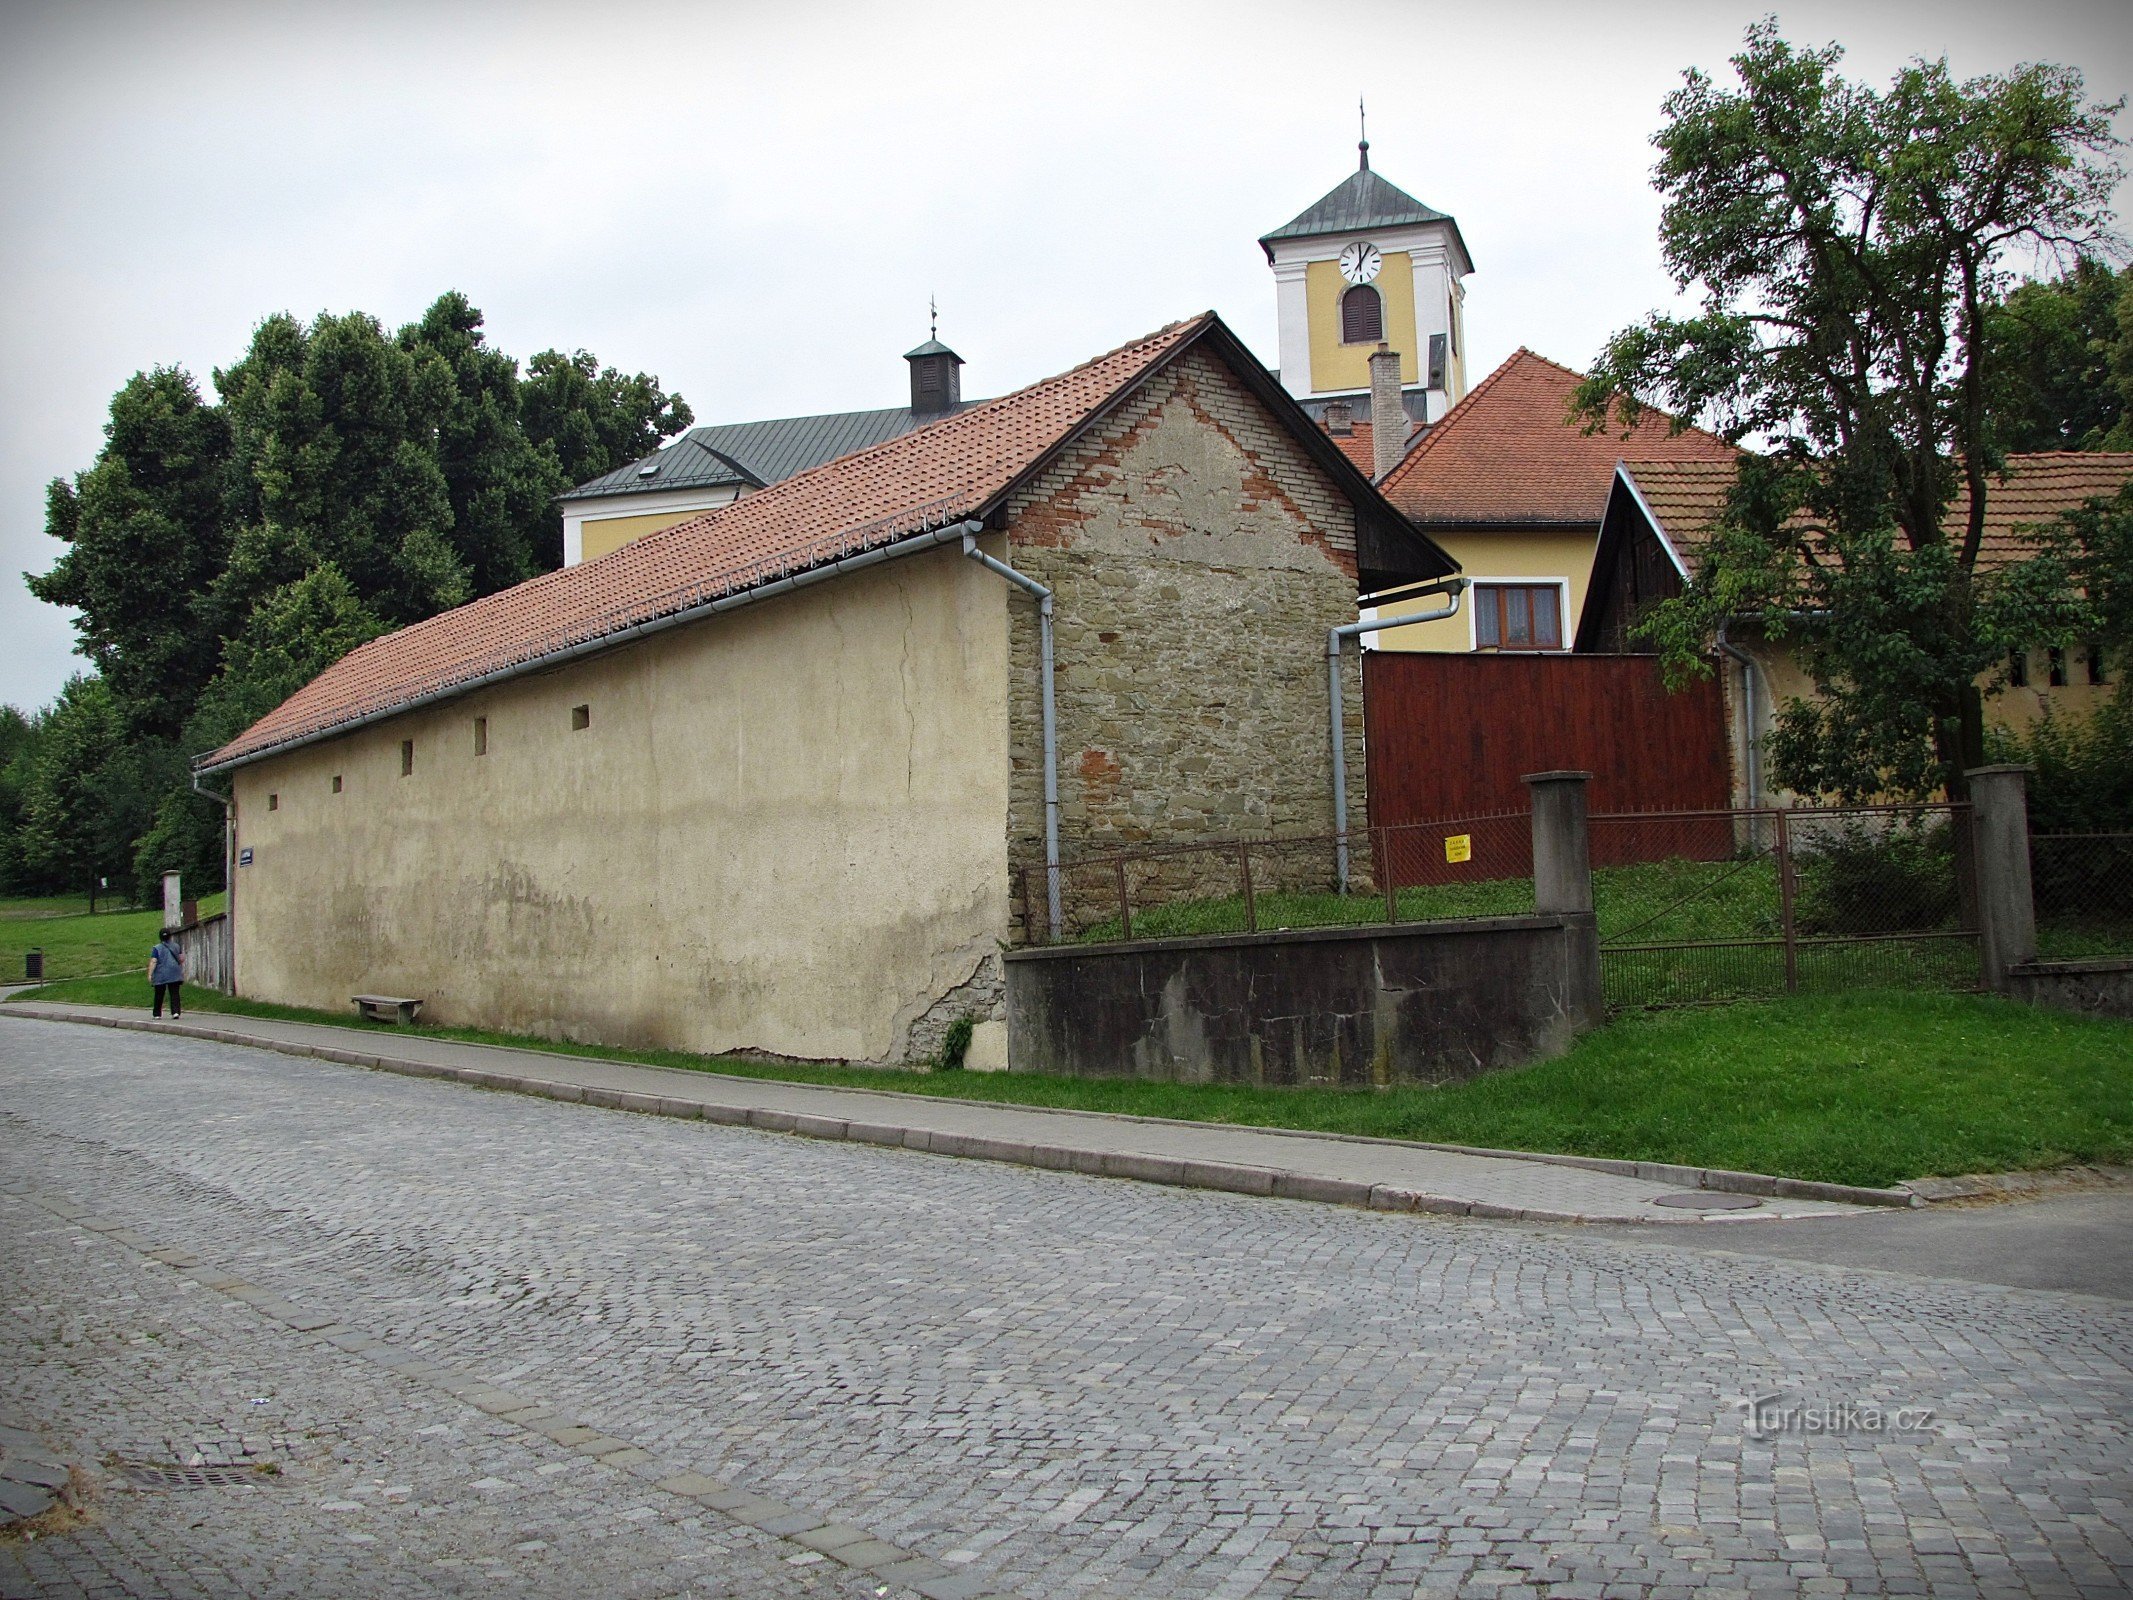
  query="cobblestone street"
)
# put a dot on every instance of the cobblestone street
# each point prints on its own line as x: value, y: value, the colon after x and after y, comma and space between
x: 1021, y: 1382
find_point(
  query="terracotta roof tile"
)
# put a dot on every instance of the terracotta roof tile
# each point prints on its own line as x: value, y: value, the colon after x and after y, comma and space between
x: 1356, y: 445
x: 1508, y: 453
x: 946, y: 471
x: 1687, y: 498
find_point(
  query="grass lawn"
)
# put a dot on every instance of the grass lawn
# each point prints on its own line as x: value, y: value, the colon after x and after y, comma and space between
x: 1854, y: 1088
x: 75, y: 944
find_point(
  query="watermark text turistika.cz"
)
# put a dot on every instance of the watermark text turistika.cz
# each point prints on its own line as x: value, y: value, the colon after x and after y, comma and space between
x: 1767, y: 1416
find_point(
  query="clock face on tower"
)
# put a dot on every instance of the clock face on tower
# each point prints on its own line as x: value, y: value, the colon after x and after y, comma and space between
x: 1360, y: 262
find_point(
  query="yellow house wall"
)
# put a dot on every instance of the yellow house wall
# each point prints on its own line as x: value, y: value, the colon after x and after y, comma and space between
x: 780, y: 832
x: 612, y: 533
x: 1484, y: 555
x: 1782, y: 678
x: 1347, y: 366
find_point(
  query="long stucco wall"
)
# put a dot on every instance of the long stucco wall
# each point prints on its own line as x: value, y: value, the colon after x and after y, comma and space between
x: 780, y: 830
x: 1198, y: 558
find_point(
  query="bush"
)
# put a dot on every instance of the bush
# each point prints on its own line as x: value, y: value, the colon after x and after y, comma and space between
x: 2082, y: 780
x: 1866, y: 879
x: 955, y: 1045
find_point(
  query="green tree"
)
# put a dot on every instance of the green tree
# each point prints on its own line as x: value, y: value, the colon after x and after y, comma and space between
x: 2049, y: 355
x: 18, y: 741
x: 501, y: 484
x: 593, y: 418
x: 292, y: 635
x: 334, y: 428
x: 1846, y: 244
x: 145, y: 539
x: 87, y: 796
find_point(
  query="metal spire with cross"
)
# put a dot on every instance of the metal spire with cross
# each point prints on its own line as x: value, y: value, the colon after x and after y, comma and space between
x: 933, y: 317
x: 1362, y: 122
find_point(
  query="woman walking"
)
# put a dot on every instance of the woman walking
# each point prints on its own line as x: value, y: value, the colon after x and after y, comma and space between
x: 166, y: 970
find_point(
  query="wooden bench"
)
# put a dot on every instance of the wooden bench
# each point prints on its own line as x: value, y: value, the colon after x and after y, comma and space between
x: 388, y: 1008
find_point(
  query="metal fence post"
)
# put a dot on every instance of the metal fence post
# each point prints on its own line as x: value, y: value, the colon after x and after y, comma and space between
x: 1125, y: 912
x: 1244, y: 867
x: 1785, y: 905
x: 1384, y: 866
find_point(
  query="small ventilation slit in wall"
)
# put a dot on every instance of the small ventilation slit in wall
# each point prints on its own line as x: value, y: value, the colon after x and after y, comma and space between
x: 336, y: 783
x: 580, y: 717
x: 481, y: 736
x: 273, y: 802
x: 407, y: 757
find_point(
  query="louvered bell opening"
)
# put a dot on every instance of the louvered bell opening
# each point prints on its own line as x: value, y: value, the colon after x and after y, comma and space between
x: 1362, y: 316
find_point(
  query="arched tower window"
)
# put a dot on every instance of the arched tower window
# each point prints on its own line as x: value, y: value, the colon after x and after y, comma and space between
x: 1362, y: 316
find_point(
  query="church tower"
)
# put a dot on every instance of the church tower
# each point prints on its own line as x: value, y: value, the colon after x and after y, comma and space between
x: 1370, y: 263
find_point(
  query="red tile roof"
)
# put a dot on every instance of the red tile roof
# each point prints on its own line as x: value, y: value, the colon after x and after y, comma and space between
x: 1508, y: 453
x: 944, y: 472
x: 1356, y: 446
x: 1687, y: 498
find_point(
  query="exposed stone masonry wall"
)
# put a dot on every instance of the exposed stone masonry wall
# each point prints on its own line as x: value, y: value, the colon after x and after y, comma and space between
x: 1197, y: 556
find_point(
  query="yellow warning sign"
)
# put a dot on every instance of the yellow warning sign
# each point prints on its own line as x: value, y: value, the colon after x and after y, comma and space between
x: 1459, y: 847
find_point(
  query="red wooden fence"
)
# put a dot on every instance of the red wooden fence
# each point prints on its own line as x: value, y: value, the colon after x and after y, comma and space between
x: 1451, y: 735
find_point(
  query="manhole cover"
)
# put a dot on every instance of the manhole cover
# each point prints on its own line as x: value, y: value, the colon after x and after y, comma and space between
x: 1708, y: 1200
x: 192, y: 1477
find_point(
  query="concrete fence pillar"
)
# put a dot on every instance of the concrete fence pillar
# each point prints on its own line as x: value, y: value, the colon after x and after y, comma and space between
x: 1562, y: 886
x: 1562, y: 849
x: 2006, y: 913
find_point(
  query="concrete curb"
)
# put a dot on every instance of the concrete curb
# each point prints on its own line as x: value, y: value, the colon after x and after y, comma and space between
x: 1182, y: 1172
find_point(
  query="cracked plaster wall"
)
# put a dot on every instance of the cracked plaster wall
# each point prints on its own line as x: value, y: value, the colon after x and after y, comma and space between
x: 780, y: 833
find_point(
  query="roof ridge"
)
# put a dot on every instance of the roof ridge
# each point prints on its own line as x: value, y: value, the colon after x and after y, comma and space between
x: 1435, y: 430
x: 965, y: 417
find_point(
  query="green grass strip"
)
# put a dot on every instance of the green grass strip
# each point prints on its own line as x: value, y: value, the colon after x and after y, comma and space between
x: 1866, y: 1088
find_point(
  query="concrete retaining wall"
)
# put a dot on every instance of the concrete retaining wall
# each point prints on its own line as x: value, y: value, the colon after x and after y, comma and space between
x: 1424, y: 1004
x: 2103, y: 987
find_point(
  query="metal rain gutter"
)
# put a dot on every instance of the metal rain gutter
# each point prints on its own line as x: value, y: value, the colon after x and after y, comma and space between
x: 1455, y: 587
x: 1025, y: 582
x: 609, y: 641
x: 228, y: 802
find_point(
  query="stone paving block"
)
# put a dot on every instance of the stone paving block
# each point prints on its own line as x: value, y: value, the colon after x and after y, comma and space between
x: 1076, y: 1387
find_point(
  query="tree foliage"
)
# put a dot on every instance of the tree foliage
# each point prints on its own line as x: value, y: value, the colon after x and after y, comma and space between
x: 145, y: 537
x: 2059, y: 362
x: 347, y: 479
x: 1845, y: 245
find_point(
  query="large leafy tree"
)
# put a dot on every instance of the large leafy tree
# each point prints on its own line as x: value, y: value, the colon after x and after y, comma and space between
x: 350, y: 479
x: 2059, y: 360
x: 88, y: 793
x: 1845, y: 245
x: 291, y: 636
x: 145, y: 536
x: 335, y: 430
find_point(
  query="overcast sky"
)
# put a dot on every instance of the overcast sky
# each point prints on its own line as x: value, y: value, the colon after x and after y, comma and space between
x: 754, y: 201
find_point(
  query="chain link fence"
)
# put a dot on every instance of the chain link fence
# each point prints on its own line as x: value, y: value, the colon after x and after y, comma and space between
x: 1704, y: 906
x: 1462, y: 867
x: 2082, y: 887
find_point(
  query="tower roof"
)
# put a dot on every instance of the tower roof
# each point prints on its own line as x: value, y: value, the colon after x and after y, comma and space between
x: 1361, y: 200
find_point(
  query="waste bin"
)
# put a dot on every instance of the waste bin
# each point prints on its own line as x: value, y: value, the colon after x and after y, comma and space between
x: 33, y: 966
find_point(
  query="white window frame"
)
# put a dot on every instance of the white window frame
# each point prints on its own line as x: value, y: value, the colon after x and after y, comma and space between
x: 1562, y: 613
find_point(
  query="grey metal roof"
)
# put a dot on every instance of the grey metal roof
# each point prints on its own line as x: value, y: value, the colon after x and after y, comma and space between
x: 1363, y: 200
x: 754, y: 455
x: 932, y: 347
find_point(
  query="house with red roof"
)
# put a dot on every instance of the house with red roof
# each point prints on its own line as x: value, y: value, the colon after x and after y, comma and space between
x: 1659, y: 520
x: 1515, y: 490
x: 775, y: 778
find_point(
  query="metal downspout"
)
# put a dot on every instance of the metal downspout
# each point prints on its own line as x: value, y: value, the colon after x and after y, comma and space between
x: 1355, y: 630
x: 1751, y: 765
x: 1029, y: 585
x: 228, y: 802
